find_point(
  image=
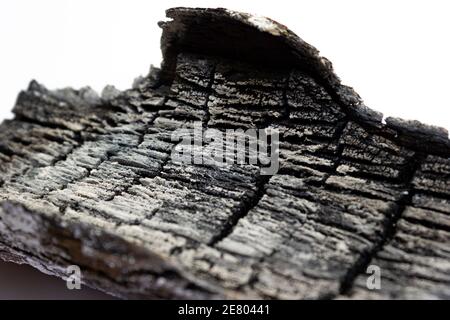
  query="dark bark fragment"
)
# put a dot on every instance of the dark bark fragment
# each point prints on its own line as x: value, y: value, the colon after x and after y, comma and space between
x: 90, y: 181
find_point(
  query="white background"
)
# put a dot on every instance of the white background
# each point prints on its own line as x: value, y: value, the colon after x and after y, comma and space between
x: 394, y: 53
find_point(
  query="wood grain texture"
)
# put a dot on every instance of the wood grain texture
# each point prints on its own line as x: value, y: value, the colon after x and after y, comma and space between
x: 89, y: 180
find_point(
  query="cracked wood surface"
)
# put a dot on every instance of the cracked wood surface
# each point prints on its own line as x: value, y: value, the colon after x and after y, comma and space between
x: 89, y: 180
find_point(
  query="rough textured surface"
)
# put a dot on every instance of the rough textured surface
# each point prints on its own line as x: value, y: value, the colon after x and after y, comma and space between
x: 89, y: 180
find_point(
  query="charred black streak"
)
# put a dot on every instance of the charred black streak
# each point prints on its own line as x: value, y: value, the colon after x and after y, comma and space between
x: 389, y: 230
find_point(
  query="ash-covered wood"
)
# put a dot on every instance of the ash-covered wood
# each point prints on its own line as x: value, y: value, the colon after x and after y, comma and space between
x: 89, y: 180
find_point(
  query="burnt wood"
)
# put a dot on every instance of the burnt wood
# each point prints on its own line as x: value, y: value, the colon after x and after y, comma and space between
x: 89, y: 180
